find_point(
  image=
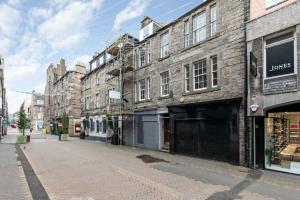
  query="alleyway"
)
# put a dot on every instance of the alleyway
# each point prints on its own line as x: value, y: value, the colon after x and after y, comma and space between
x: 78, y: 169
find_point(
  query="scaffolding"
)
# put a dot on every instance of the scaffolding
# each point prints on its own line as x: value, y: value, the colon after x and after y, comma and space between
x: 121, y: 67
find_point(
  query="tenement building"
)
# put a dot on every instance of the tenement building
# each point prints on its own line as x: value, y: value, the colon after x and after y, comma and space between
x: 107, y: 91
x: 62, y: 98
x: 36, y: 114
x: 3, y: 100
x: 273, y: 41
x: 189, y: 83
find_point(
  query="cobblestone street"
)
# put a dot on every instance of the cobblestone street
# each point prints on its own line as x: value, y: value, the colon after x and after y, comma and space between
x: 83, y: 169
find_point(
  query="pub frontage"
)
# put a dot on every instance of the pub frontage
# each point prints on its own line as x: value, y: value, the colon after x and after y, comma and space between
x: 273, y: 92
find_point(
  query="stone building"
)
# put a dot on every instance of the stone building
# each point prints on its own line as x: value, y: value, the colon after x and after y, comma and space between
x: 62, y: 97
x: 36, y: 114
x: 190, y: 83
x: 101, y: 88
x: 273, y: 41
x: 3, y: 100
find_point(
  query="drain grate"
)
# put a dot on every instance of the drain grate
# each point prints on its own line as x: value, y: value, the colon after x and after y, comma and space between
x: 150, y: 159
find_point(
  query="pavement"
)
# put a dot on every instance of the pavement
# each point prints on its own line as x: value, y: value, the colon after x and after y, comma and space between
x: 13, y: 184
x: 90, y: 170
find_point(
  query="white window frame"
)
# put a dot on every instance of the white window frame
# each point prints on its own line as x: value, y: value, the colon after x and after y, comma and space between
x: 142, y: 51
x: 135, y: 92
x: 148, y: 88
x: 164, y: 84
x: 213, y: 19
x: 142, y: 91
x: 203, y: 74
x: 294, y: 38
x: 198, y: 30
x: 111, y: 101
x: 164, y: 44
x: 214, y: 71
x: 98, y: 79
x: 186, y: 33
x: 187, y: 78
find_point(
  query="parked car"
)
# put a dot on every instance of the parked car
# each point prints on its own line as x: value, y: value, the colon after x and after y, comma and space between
x: 13, y: 126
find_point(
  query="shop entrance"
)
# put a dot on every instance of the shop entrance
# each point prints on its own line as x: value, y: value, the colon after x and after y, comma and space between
x: 282, y: 139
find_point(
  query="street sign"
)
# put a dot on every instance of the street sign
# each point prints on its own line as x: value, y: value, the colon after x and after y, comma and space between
x: 114, y: 94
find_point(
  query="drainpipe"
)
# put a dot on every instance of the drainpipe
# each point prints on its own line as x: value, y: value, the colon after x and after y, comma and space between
x: 246, y: 131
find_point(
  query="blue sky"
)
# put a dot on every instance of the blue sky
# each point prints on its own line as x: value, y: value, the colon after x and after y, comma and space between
x: 35, y: 33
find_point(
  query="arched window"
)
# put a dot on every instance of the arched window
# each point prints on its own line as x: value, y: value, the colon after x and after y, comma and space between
x: 98, y: 126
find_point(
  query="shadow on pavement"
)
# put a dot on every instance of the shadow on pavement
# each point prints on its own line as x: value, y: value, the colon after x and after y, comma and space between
x: 233, y: 193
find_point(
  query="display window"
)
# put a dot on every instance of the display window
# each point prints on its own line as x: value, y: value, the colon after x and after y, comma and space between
x: 282, y: 142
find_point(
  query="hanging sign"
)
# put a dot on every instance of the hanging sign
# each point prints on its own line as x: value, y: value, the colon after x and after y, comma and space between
x: 254, y: 108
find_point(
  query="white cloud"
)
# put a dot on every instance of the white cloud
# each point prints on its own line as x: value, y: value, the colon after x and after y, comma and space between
x: 5, y: 44
x: 10, y: 19
x: 15, y: 100
x: 40, y: 88
x: 68, y: 26
x: 36, y: 15
x: 15, y: 3
x: 133, y: 10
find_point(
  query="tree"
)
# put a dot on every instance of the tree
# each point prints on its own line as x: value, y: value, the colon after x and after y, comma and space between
x: 22, y: 122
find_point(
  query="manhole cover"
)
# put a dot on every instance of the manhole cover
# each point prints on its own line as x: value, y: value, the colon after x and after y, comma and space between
x: 150, y: 159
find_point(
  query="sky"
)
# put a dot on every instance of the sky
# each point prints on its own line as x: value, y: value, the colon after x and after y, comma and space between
x: 36, y: 33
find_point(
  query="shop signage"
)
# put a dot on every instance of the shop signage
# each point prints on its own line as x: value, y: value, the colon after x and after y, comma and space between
x: 280, y: 84
x: 280, y: 59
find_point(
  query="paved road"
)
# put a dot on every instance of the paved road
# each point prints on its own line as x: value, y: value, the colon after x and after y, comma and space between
x: 13, y: 184
x: 94, y: 170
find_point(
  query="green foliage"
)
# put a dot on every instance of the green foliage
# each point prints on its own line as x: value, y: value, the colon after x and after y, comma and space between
x: 22, y: 122
x: 21, y: 139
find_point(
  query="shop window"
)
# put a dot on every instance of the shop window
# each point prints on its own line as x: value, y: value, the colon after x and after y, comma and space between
x: 282, y: 142
x: 98, y: 126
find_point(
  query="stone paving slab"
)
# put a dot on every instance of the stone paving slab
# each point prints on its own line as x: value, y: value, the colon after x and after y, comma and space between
x: 13, y: 184
x: 94, y: 170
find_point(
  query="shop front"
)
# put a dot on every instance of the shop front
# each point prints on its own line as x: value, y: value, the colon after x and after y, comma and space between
x: 282, y: 139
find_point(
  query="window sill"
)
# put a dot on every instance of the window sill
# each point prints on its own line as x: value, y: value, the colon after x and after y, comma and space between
x: 147, y: 65
x: 164, y: 97
x: 202, y: 91
x: 163, y: 58
x: 143, y: 101
x: 202, y: 42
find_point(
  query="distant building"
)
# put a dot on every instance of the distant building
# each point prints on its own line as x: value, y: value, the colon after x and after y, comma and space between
x: 36, y: 114
x: 62, y: 98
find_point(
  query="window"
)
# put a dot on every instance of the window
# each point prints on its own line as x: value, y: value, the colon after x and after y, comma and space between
x: 98, y: 100
x: 164, y: 83
x: 142, y: 56
x: 199, y: 27
x: 101, y: 60
x: 213, y: 19
x: 111, y: 101
x: 187, y: 78
x: 135, y: 92
x: 148, y: 53
x: 87, y: 103
x: 273, y: 2
x: 98, y: 126
x: 214, y: 71
x: 142, y: 90
x: 200, y: 78
x: 98, y: 79
x: 92, y: 125
x: 104, y: 125
x: 164, y: 45
x: 186, y: 33
x: 148, y: 88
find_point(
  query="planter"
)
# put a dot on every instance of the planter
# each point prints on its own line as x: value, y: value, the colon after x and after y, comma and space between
x: 21, y: 139
x: 64, y: 137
